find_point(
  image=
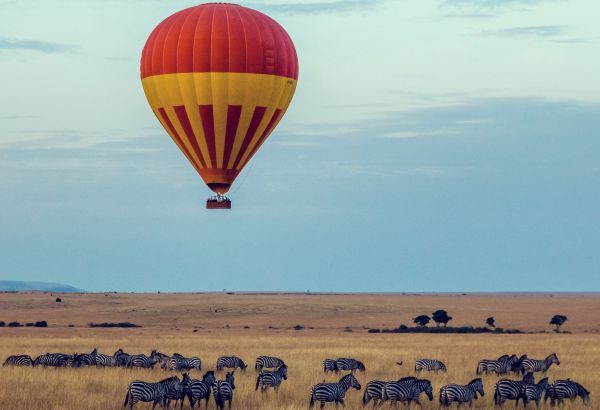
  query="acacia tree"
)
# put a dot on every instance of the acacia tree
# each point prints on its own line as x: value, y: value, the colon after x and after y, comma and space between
x: 441, y: 316
x: 422, y: 320
x: 558, y: 321
x: 490, y: 321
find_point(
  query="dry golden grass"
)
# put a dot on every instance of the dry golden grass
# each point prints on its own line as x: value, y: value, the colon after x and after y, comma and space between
x: 92, y: 388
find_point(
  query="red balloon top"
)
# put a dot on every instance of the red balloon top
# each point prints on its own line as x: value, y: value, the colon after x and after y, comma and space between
x: 218, y: 37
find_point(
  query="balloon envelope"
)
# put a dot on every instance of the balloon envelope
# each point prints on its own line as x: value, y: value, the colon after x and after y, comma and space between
x: 219, y: 78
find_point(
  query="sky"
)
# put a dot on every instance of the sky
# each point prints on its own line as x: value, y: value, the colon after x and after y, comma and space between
x: 432, y: 145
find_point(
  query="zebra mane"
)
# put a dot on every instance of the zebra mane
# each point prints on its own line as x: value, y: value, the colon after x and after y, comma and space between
x: 169, y: 379
x: 474, y: 381
x: 348, y: 376
x: 407, y: 378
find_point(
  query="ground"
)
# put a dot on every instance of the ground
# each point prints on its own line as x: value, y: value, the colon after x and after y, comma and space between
x: 248, y: 325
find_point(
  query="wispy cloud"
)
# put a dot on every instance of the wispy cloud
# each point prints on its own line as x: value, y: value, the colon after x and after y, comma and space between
x: 337, y: 6
x: 526, y: 31
x: 36, y: 45
x: 491, y: 4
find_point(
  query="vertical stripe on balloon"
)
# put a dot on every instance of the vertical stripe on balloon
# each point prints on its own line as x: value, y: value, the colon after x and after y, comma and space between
x: 167, y: 121
x: 259, y: 113
x: 233, y: 119
x: 208, y: 125
x: 189, y: 132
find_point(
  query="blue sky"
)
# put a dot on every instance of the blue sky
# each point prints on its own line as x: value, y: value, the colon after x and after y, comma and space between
x: 435, y: 145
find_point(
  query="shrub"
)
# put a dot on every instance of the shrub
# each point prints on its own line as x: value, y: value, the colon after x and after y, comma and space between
x: 41, y: 323
x: 14, y: 324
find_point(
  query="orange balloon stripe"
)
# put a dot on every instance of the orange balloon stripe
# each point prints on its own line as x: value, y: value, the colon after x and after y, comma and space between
x: 233, y: 120
x: 208, y: 125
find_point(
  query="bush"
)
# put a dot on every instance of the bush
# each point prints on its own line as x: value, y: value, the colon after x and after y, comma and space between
x: 14, y: 324
x: 41, y: 323
x: 2, y: 324
x: 120, y: 324
x: 58, y: 300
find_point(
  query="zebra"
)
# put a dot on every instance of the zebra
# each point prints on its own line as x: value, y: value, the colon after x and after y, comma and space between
x: 53, y: 360
x: 88, y: 359
x: 104, y: 360
x: 501, y: 365
x: 176, y: 390
x: 330, y: 365
x: 268, y: 362
x: 223, y: 391
x: 141, y: 360
x: 517, y: 366
x: 374, y: 388
x: 18, y: 360
x: 148, y: 392
x: 230, y: 362
x: 511, y: 389
x: 179, y: 362
x: 268, y: 379
x: 333, y: 392
x: 198, y: 390
x: 162, y: 359
x: 461, y: 394
x: 407, y: 390
x: 123, y: 359
x: 533, y: 365
x: 533, y: 392
x: 349, y: 364
x: 429, y: 365
x: 566, y: 389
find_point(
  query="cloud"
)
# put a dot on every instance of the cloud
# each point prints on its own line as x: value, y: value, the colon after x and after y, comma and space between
x: 527, y: 31
x: 338, y: 6
x: 36, y: 45
x: 490, y: 4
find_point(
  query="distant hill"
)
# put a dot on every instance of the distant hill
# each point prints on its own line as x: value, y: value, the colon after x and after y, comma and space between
x: 25, y: 286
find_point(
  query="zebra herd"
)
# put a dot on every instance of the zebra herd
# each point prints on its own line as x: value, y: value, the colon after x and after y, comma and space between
x: 272, y: 371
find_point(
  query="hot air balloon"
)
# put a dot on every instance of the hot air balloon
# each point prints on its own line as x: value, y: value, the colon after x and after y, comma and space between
x: 219, y: 78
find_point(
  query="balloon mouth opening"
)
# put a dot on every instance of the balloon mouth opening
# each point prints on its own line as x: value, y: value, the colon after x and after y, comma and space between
x: 219, y: 187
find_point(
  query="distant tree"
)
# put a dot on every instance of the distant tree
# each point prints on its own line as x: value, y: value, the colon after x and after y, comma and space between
x: 58, y: 300
x: 441, y: 316
x: 558, y: 321
x: 490, y: 321
x: 422, y: 320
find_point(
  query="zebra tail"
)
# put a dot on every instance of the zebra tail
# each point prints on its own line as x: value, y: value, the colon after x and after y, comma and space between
x: 366, y: 397
x: 496, y: 396
x: 384, y: 395
x: 442, y: 394
x: 312, y: 399
x: 127, y: 395
x: 258, y: 381
x: 219, y: 400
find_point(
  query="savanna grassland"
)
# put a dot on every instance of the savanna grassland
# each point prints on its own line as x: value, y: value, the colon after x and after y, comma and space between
x: 248, y: 325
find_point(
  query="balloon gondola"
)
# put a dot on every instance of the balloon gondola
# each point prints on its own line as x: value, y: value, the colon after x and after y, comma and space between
x: 219, y: 78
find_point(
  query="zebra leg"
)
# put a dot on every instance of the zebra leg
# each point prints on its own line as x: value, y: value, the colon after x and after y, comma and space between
x: 322, y: 404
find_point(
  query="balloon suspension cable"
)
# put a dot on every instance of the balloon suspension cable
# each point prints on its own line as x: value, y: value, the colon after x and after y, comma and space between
x: 218, y: 202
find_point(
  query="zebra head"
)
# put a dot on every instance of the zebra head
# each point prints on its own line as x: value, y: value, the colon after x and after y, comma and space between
x: 477, y: 385
x: 360, y: 366
x: 242, y: 364
x: 95, y: 351
x: 528, y: 378
x: 209, y: 377
x: 118, y: 352
x: 154, y: 357
x: 427, y: 388
x: 350, y: 381
x: 229, y: 378
x: 282, y: 370
x: 185, y: 379
x: 543, y: 383
x: 583, y: 393
x: 553, y: 358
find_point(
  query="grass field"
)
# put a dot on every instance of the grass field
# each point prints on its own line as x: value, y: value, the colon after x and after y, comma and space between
x: 92, y: 388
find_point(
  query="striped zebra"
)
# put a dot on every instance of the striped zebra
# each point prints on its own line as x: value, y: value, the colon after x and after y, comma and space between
x: 148, y: 392
x: 333, y: 392
x: 268, y: 362
x: 566, y: 389
x: 18, y: 360
x: 104, y: 360
x: 53, y: 360
x: 517, y: 366
x: 273, y: 379
x: 330, y: 365
x: 179, y: 363
x: 123, y: 359
x: 501, y: 365
x: 230, y: 362
x: 86, y: 359
x: 533, y: 392
x: 143, y: 361
x: 162, y: 359
x: 223, y: 391
x: 349, y: 364
x: 430, y: 365
x: 451, y: 393
x: 533, y: 365
x: 198, y: 390
x: 176, y: 390
x: 511, y: 389
x: 407, y: 390
x: 374, y: 388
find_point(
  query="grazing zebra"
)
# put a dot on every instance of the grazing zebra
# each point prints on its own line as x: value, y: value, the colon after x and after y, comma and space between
x: 179, y: 363
x: 162, y: 359
x: 223, y: 391
x: 148, y: 392
x: 230, y: 362
x: 332, y: 392
x: 517, y: 366
x: 141, y: 360
x: 566, y: 389
x: 407, y: 389
x: 268, y: 362
x: 330, y: 365
x: 104, y: 360
x: 511, y: 389
x: 88, y: 359
x: 198, y: 390
x: 18, y: 360
x: 429, y: 365
x: 349, y: 364
x: 53, y: 360
x: 268, y: 379
x: 176, y: 390
x: 533, y: 365
x: 123, y: 359
x: 501, y: 365
x: 461, y: 394
x: 374, y: 388
x: 533, y: 392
